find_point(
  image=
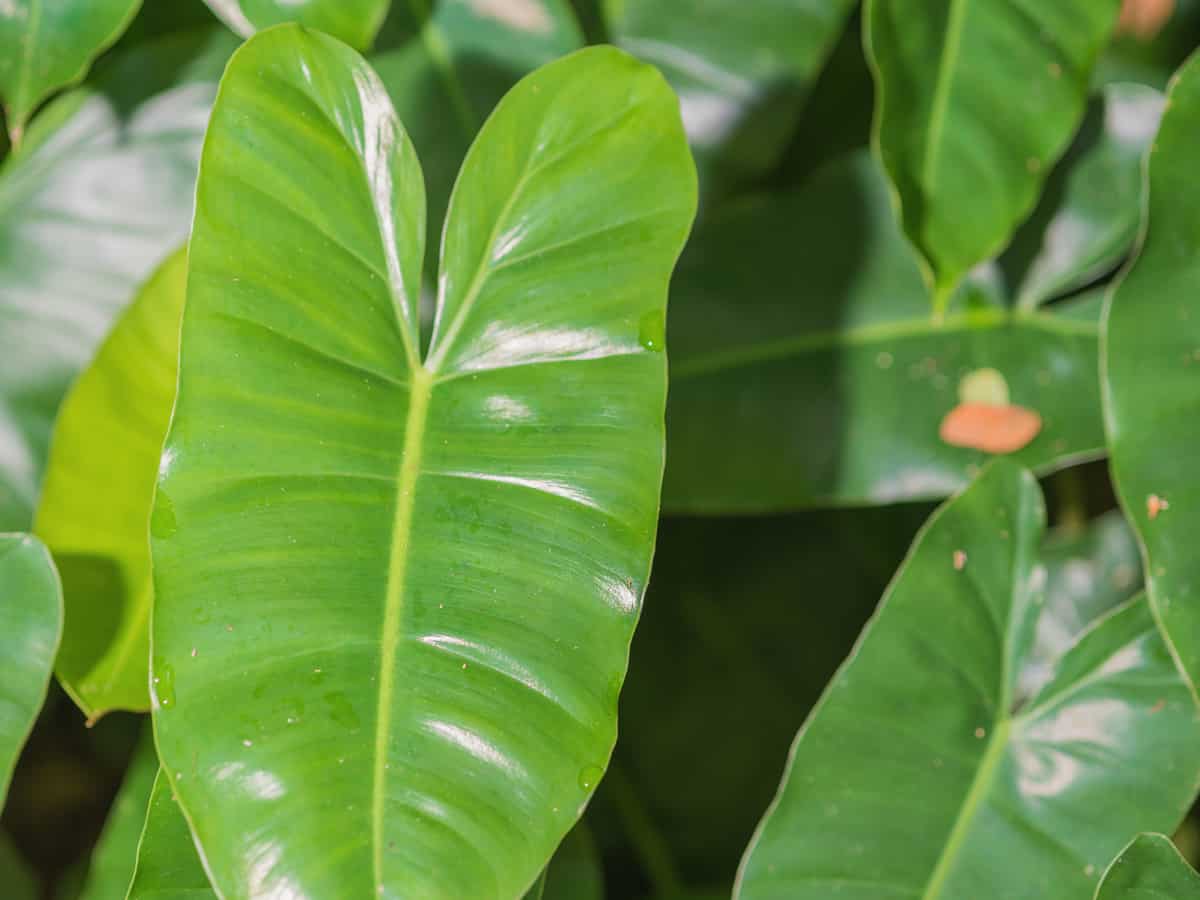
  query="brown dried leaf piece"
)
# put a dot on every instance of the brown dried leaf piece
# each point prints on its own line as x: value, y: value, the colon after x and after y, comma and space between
x: 990, y: 428
x: 1144, y: 19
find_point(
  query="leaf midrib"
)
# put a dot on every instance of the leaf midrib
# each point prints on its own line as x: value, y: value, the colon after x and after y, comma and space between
x: 19, y: 100
x: 941, y: 92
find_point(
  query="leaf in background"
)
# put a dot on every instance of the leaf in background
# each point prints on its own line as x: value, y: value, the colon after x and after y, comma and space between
x: 98, y: 193
x: 574, y: 873
x: 416, y: 577
x: 94, y: 511
x: 1152, y: 371
x: 1150, y: 868
x: 742, y: 79
x: 352, y: 21
x: 926, y: 770
x: 453, y: 70
x: 806, y: 368
x: 167, y: 867
x: 112, y: 864
x: 30, y: 626
x: 1088, y: 218
x: 19, y: 881
x: 975, y: 103
x: 47, y: 45
x: 1151, y: 61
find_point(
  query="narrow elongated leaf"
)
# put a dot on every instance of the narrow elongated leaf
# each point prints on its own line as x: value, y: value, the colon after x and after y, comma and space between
x: 807, y: 368
x: 353, y: 21
x: 976, y: 101
x: 94, y: 513
x: 97, y: 194
x: 112, y: 865
x: 1150, y: 868
x: 1088, y: 219
x: 414, y: 575
x: 168, y: 867
x: 30, y: 626
x: 1152, y: 363
x: 927, y: 770
x: 741, y: 78
x: 47, y: 44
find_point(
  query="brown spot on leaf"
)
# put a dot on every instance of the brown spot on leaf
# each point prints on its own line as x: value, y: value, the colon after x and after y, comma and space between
x: 960, y: 560
x: 992, y: 429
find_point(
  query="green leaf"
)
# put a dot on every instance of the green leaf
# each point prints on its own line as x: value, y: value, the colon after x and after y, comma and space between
x: 168, y: 867
x: 353, y: 21
x: 30, y: 626
x: 1088, y: 219
x: 415, y: 575
x: 98, y: 193
x: 452, y: 70
x: 976, y: 101
x: 933, y: 768
x: 575, y: 873
x: 742, y: 79
x: 94, y: 511
x: 112, y: 864
x: 20, y: 883
x: 48, y: 44
x: 802, y: 343
x: 1151, y: 360
x: 1150, y: 868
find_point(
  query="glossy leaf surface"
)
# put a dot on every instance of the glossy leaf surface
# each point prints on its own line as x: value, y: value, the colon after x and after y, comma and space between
x: 1150, y: 868
x: 1152, y: 361
x: 94, y: 512
x: 959, y: 779
x: 741, y: 76
x: 30, y: 626
x: 1088, y: 218
x: 806, y: 367
x: 111, y: 869
x: 168, y: 867
x: 976, y: 100
x: 415, y: 575
x: 96, y: 196
x: 353, y: 21
x: 48, y: 44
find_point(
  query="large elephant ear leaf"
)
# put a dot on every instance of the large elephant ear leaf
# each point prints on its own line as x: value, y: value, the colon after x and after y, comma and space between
x: 1150, y: 868
x: 948, y: 721
x: 416, y: 574
x: 976, y: 101
x: 30, y: 626
x: 354, y: 21
x: 94, y: 510
x: 1152, y: 361
x: 47, y: 45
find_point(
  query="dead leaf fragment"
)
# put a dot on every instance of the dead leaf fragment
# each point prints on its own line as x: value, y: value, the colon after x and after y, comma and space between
x: 960, y: 560
x: 1144, y: 19
x: 990, y: 428
x: 1155, y: 504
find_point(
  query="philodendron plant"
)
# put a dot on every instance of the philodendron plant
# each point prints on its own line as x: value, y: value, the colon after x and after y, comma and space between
x: 336, y: 449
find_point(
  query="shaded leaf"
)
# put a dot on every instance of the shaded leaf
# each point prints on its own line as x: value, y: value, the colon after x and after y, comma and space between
x: 353, y: 21
x: 98, y: 193
x: 19, y: 881
x: 417, y: 575
x: 806, y: 367
x: 168, y: 867
x: 94, y: 512
x: 30, y: 626
x: 1150, y: 868
x: 975, y: 103
x: 112, y: 864
x: 742, y: 79
x: 46, y: 46
x: 1152, y: 362
x: 949, y: 782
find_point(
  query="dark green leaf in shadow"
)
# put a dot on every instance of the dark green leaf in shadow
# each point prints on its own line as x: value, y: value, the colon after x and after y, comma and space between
x: 94, y: 512
x: 975, y: 102
x: 18, y: 878
x: 46, y: 46
x: 742, y: 77
x: 417, y: 575
x: 1150, y: 868
x: 1152, y: 367
x: 30, y: 627
x: 924, y: 771
x: 167, y: 867
x: 807, y: 369
x: 112, y: 864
